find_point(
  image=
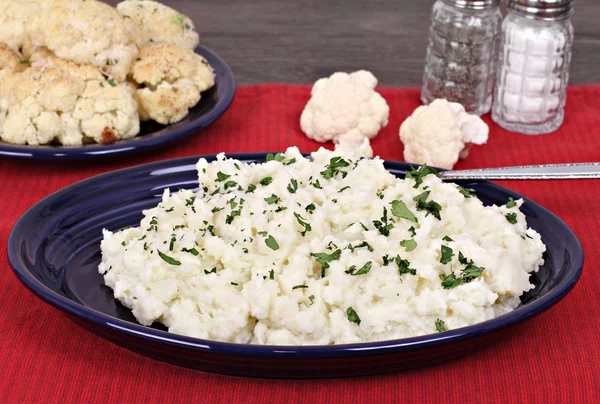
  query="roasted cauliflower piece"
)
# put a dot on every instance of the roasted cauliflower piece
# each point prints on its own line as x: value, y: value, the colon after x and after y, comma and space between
x: 86, y: 32
x: 58, y: 100
x: 34, y: 53
x: 170, y: 80
x: 156, y: 23
x: 11, y: 60
x: 14, y: 16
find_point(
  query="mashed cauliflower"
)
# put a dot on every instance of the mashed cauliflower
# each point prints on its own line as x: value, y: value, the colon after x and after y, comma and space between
x: 324, y: 251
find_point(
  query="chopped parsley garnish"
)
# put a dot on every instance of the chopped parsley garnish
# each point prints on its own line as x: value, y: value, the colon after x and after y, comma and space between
x: 412, y: 231
x: 112, y: 83
x: 303, y: 223
x: 293, y: 186
x: 299, y: 287
x: 234, y: 284
x: 334, y: 168
x: 404, y: 266
x: 192, y: 251
x: 251, y: 188
x: 153, y: 224
x: 447, y: 254
x: 172, y: 243
x: 363, y: 226
x: 25, y: 62
x: 399, y: 209
x: 230, y: 184
x: 431, y: 207
x: 178, y: 18
x: 409, y: 245
x: 171, y: 209
x: 382, y: 225
x: 447, y: 238
x: 467, y: 192
x: 277, y: 157
x: 316, y: 184
x: 364, y: 244
x: 311, y: 298
x: 310, y: 208
x: 386, y: 260
x: 123, y: 243
x: 418, y: 175
x: 290, y: 161
x: 266, y: 181
x: 440, y: 326
x: 216, y: 209
x: 450, y: 281
x: 280, y: 209
x: 272, y: 275
x: 380, y: 195
x: 511, y: 217
x: 331, y: 246
x: 511, y: 202
x: 352, y: 316
x: 343, y: 189
x: 263, y: 233
x: 324, y: 259
x: 221, y: 176
x: 232, y: 215
x: 212, y: 271
x: 272, y: 199
x: 232, y: 203
x: 362, y: 271
x: 272, y: 243
x: 168, y: 259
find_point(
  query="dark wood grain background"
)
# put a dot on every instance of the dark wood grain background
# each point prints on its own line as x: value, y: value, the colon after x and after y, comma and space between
x: 300, y: 41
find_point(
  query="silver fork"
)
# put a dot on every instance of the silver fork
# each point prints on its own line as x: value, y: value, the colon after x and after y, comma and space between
x: 545, y: 172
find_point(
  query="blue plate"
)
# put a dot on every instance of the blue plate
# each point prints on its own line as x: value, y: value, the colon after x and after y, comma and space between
x: 212, y: 105
x: 54, y: 249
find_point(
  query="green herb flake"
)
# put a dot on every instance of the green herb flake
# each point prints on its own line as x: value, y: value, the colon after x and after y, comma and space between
x: 310, y: 208
x: 418, y: 175
x: 352, y: 316
x: 431, y: 207
x: 123, y: 244
x: 380, y: 195
x: 399, y: 209
x: 290, y: 161
x: 404, y: 266
x: 263, y: 233
x: 168, y: 259
x: 232, y: 215
x: 343, y: 189
x: 511, y: 202
x: 299, y: 287
x: 178, y: 18
x: 334, y: 167
x: 447, y: 254
x: 312, y: 299
x: 277, y: 157
x: 412, y: 231
x: 440, y: 326
x: 365, y: 269
x: 382, y: 225
x: 450, y: 281
x: 230, y: 184
x: 172, y: 243
x: 272, y: 275
x: 221, y: 176
x: 216, y: 209
x: 466, y: 192
x: 272, y: 243
x: 25, y: 62
x: 280, y: 209
x: 303, y: 223
x: 511, y: 217
x: 409, y: 245
x: 112, y: 83
x: 364, y: 244
x: 386, y: 260
x: 292, y: 186
x: 266, y: 181
x: 212, y: 271
x: 192, y: 251
x: 272, y: 199
x: 447, y: 238
x: 324, y: 259
x: 251, y: 188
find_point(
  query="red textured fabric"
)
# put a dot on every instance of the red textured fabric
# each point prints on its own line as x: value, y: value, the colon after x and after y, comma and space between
x: 552, y: 358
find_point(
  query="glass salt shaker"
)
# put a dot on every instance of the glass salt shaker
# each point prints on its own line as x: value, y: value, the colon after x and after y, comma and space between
x: 460, y: 61
x: 533, y: 66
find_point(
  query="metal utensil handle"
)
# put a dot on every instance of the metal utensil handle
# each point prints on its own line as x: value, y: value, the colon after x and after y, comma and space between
x: 547, y: 172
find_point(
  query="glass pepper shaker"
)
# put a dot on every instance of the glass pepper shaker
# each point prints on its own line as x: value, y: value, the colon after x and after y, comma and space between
x: 460, y: 61
x: 533, y: 66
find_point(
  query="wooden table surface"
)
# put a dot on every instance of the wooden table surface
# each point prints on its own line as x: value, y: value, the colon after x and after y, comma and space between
x: 299, y: 41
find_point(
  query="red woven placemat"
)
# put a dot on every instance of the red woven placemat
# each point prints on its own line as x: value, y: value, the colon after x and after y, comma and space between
x: 554, y: 357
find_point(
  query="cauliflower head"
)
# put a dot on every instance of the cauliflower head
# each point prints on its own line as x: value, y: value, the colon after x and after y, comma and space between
x: 156, y: 23
x: 86, y: 32
x: 14, y: 16
x: 58, y: 100
x: 441, y: 132
x: 345, y: 107
x: 170, y: 80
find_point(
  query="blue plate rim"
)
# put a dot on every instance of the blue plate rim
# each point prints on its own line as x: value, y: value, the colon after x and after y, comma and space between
x: 136, y: 144
x: 70, y: 307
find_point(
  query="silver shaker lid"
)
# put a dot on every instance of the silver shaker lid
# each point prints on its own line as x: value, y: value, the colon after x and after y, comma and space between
x: 472, y: 4
x: 547, y: 10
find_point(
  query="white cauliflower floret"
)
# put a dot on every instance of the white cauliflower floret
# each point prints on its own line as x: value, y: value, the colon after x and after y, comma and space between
x: 354, y: 151
x: 345, y: 107
x: 57, y: 100
x: 441, y: 132
x: 34, y: 53
x: 14, y: 15
x: 171, y: 79
x: 154, y: 23
x: 86, y: 32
